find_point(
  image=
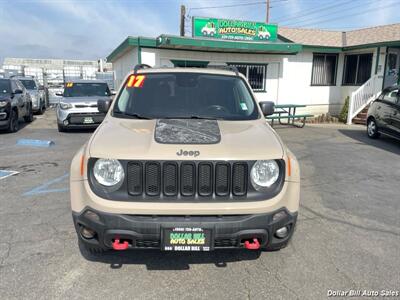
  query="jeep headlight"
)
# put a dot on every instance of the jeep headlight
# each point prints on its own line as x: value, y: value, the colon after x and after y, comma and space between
x: 109, y: 172
x: 64, y: 105
x: 3, y: 103
x: 264, y: 174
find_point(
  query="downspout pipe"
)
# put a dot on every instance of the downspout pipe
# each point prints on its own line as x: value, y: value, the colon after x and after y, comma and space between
x: 378, y: 54
x: 139, y: 51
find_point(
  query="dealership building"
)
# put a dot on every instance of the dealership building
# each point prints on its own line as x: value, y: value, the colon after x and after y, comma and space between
x: 314, y: 67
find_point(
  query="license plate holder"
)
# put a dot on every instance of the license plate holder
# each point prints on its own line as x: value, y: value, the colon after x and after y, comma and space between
x: 184, y: 238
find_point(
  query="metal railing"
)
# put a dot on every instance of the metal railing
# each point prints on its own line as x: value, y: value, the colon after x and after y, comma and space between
x: 363, y: 96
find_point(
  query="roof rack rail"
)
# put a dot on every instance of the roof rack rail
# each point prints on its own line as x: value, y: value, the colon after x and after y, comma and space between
x: 139, y: 67
x: 225, y: 67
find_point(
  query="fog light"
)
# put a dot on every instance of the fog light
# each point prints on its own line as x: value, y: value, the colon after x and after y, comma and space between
x: 87, y: 233
x: 281, y: 232
x: 65, y: 122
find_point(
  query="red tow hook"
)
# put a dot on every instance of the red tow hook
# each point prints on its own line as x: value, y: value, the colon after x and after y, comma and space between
x: 120, y: 246
x: 252, y: 246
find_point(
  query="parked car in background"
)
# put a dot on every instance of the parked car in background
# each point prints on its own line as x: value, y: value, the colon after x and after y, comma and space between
x: 15, y: 103
x: 78, y: 106
x: 384, y: 114
x: 37, y: 93
x: 52, y: 93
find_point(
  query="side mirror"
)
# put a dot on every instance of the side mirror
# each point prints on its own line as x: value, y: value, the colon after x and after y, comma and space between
x: 18, y: 91
x: 267, y: 107
x: 59, y: 94
x: 103, y: 105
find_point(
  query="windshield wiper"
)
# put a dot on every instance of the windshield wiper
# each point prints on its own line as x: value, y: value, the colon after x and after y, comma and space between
x: 133, y: 116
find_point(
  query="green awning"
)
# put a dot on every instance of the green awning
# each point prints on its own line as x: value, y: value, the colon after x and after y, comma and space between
x: 203, y: 44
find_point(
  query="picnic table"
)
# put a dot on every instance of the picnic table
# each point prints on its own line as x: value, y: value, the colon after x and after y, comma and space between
x: 288, y: 111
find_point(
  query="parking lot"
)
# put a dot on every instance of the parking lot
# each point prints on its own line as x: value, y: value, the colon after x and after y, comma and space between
x: 348, y: 231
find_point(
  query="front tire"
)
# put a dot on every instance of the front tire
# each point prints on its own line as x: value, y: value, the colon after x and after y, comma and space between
x: 14, y: 122
x: 29, y: 118
x: 61, y: 128
x: 372, y: 129
x: 41, y: 109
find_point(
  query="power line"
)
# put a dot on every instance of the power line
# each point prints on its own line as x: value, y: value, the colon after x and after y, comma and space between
x: 330, y: 13
x: 234, y: 5
x: 350, y: 15
x: 228, y: 5
x: 311, y: 11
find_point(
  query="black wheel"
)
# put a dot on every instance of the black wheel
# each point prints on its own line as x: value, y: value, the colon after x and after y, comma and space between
x: 372, y: 129
x: 29, y: 117
x: 61, y: 128
x: 41, y: 109
x: 13, y: 126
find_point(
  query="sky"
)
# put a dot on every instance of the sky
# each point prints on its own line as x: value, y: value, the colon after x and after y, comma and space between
x: 91, y: 29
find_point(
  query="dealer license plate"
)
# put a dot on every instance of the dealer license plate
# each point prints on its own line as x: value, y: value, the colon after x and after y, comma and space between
x: 186, y: 239
x: 88, y: 120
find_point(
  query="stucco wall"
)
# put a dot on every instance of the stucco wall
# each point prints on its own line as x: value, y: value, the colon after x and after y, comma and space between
x: 123, y: 65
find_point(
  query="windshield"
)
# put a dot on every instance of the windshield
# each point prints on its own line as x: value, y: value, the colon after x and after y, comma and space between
x: 29, y: 84
x: 4, y: 86
x: 73, y: 89
x: 186, y: 95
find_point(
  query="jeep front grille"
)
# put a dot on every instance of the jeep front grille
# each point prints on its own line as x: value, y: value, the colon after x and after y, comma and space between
x: 187, y: 179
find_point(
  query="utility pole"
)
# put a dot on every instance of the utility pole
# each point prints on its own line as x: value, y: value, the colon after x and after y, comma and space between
x: 183, y: 13
x: 267, y: 12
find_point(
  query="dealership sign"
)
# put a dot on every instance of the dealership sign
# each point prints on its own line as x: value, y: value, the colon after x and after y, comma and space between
x: 234, y: 29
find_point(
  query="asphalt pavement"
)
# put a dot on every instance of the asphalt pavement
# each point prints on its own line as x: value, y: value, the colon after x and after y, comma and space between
x: 347, y: 237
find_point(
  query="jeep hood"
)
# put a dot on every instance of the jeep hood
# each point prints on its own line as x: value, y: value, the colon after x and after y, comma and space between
x: 136, y: 139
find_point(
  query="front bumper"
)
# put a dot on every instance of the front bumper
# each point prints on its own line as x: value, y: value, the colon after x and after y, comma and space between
x: 79, y: 120
x: 36, y: 103
x: 4, y: 117
x: 144, y: 232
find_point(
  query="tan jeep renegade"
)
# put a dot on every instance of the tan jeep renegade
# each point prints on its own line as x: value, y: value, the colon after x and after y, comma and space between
x: 184, y: 161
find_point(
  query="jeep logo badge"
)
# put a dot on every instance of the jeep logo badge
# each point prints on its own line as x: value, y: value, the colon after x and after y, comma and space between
x: 188, y: 153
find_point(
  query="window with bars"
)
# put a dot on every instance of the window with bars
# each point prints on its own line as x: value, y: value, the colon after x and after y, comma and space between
x: 357, y: 68
x: 324, y: 69
x: 255, y: 74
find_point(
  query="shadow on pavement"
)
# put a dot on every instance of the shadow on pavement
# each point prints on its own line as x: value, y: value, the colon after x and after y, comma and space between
x: 158, y: 260
x: 79, y: 130
x: 384, y: 142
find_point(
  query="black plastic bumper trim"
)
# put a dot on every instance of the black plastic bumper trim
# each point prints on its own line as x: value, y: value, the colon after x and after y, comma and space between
x: 144, y: 231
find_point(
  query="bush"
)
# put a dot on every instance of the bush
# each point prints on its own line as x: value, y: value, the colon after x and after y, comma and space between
x: 345, y: 110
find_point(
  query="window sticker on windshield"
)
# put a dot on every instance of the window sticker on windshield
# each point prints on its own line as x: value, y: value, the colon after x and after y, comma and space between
x: 135, y: 81
x: 70, y: 84
x: 243, y: 106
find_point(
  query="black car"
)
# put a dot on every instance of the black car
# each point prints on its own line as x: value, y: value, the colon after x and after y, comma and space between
x: 15, y: 103
x: 384, y: 114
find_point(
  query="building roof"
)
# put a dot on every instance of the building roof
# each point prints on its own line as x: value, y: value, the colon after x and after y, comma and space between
x: 204, y: 44
x: 328, y: 38
x: 291, y: 41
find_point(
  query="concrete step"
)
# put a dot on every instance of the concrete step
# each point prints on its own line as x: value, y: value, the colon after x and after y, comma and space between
x: 361, y: 121
x: 362, y: 115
